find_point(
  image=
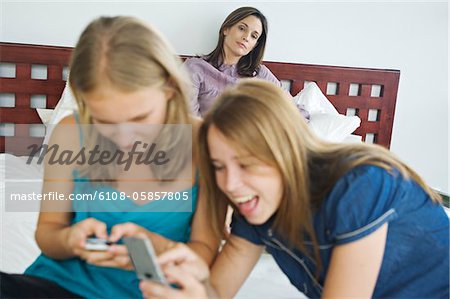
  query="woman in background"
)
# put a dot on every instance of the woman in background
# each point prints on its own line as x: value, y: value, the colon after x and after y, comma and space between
x: 238, y: 54
x: 341, y: 221
x: 125, y: 79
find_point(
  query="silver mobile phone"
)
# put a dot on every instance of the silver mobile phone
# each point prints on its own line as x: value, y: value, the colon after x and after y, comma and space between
x: 143, y: 257
x: 97, y: 244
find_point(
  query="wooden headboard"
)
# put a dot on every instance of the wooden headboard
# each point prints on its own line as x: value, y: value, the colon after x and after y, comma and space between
x: 369, y: 93
x: 28, y: 73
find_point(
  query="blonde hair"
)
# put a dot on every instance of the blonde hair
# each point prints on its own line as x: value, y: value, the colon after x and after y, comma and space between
x: 275, y: 133
x: 129, y: 55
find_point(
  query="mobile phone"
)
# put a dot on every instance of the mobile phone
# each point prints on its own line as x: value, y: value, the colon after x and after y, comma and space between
x: 143, y: 257
x: 97, y: 244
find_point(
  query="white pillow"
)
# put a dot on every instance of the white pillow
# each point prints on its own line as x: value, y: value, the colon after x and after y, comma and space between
x: 352, y: 138
x: 66, y: 106
x: 325, y: 120
x: 45, y: 115
x: 314, y: 101
x: 333, y: 128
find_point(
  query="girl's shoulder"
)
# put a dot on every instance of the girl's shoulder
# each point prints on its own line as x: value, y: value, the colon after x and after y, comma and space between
x: 366, y: 178
x: 363, y: 199
x: 69, y: 120
x: 68, y: 126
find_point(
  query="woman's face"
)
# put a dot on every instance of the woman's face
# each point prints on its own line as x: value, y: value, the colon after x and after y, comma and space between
x: 125, y: 117
x: 242, y: 37
x: 254, y: 187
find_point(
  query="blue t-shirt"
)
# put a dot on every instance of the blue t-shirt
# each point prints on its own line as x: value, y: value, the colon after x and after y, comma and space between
x: 416, y: 258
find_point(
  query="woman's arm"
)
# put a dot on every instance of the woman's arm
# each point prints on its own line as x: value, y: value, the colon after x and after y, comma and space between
x: 355, y: 266
x: 195, y: 87
x: 266, y: 74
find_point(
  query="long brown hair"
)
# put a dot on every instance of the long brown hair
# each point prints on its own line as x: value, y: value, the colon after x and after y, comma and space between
x: 262, y: 115
x: 248, y: 65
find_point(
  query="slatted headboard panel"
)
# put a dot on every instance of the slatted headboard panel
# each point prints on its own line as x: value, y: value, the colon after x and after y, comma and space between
x: 31, y: 77
x: 369, y: 93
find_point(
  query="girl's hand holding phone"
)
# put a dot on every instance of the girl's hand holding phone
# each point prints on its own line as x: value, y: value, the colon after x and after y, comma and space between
x: 78, y: 244
x: 112, y: 254
x: 182, y: 267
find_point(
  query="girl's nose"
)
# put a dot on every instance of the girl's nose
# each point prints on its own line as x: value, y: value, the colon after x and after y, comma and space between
x: 233, y: 178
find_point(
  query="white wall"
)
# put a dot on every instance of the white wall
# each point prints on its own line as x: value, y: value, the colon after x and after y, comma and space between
x: 411, y: 37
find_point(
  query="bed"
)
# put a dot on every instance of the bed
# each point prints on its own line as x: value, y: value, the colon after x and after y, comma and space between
x: 33, y: 77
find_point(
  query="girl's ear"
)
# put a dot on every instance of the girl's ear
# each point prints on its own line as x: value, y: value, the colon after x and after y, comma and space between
x: 169, y: 92
x: 225, y: 31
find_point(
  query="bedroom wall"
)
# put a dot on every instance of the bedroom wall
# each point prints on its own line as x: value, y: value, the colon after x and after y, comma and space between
x: 409, y: 36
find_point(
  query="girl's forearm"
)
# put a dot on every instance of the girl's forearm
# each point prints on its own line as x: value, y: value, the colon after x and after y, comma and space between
x: 203, y: 250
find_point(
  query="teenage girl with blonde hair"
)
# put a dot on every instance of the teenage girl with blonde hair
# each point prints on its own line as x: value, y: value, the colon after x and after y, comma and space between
x: 125, y: 77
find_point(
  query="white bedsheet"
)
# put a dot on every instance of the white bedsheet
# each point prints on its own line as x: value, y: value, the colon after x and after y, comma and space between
x: 17, y: 246
x: 268, y: 281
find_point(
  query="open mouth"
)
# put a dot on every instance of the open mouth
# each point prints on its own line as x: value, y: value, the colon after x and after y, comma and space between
x: 247, y: 205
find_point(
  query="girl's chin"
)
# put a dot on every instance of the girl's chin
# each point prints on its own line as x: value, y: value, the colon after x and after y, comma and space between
x: 257, y: 219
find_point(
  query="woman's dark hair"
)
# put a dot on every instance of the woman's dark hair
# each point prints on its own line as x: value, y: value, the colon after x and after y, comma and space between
x: 247, y: 66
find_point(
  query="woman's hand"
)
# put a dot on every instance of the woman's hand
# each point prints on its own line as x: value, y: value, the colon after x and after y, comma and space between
x: 182, y: 267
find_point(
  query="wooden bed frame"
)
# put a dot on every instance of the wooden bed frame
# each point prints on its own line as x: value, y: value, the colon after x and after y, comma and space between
x: 361, y: 90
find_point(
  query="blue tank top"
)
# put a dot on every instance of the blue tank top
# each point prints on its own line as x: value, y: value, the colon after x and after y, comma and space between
x: 92, y: 281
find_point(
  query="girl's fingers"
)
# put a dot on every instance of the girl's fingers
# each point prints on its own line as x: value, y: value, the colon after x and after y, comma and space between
x: 92, y: 226
x: 155, y: 290
x: 117, y: 232
x: 121, y: 263
x: 183, y: 278
x: 177, y: 254
x: 98, y: 256
x: 118, y: 249
x: 125, y: 230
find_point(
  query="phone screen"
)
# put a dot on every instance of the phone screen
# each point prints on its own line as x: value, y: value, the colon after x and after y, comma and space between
x: 97, y: 244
